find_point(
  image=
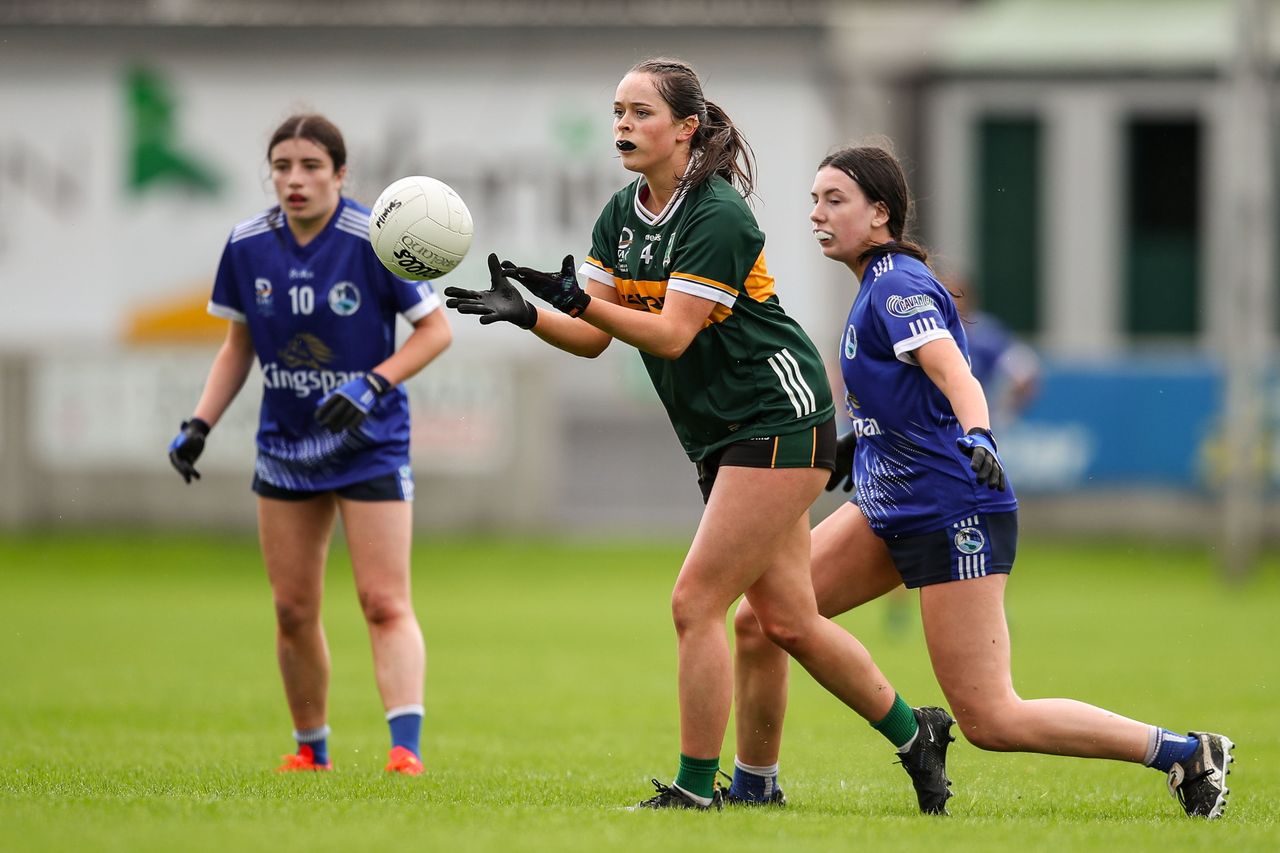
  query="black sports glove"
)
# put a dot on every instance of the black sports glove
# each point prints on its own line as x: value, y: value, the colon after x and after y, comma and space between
x: 845, y: 445
x: 980, y: 446
x: 186, y: 448
x: 347, y: 405
x: 558, y: 288
x: 500, y: 302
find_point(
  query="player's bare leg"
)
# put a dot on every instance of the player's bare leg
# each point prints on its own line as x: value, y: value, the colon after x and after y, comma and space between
x: 294, y: 536
x: 968, y: 641
x: 379, y: 535
x: 850, y: 566
x: 748, y: 526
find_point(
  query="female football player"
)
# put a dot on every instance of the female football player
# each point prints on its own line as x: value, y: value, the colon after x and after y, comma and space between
x: 677, y: 270
x: 303, y: 290
x: 933, y: 510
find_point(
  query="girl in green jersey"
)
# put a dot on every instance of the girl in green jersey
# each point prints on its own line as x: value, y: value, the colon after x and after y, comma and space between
x: 677, y: 271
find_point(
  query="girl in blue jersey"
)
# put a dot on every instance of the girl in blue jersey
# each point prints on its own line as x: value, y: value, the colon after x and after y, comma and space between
x: 933, y: 510
x: 677, y: 270
x: 306, y: 295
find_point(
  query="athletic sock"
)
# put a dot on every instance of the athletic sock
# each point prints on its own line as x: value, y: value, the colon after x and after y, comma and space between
x: 1166, y: 748
x: 753, y: 782
x: 406, y: 727
x: 899, y: 725
x: 317, y: 739
x: 697, y: 776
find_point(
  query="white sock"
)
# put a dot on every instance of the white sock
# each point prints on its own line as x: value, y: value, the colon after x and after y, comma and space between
x: 401, y: 710
x: 906, y: 747
x: 767, y: 772
x: 702, y: 801
x: 311, y: 735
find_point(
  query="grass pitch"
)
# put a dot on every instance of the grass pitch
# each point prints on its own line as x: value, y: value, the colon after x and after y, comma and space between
x: 140, y: 707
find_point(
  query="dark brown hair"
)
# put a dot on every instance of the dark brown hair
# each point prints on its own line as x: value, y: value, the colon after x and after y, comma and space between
x: 879, y: 174
x: 315, y: 128
x: 722, y: 148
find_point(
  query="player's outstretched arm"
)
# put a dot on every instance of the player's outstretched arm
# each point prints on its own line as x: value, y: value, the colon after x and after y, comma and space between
x: 665, y: 335
x: 503, y: 302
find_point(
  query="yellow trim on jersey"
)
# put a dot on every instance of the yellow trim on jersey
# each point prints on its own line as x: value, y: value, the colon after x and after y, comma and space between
x: 719, y: 314
x: 759, y: 284
x: 596, y: 262
x: 643, y: 295
x: 640, y: 294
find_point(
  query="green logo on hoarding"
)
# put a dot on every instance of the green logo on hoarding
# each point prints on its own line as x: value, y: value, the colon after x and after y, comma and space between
x: 156, y: 155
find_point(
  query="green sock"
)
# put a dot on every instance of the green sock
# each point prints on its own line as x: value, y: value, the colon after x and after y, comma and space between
x: 899, y: 725
x: 698, y: 775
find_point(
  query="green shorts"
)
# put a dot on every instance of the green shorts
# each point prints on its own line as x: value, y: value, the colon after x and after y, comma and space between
x: 809, y: 448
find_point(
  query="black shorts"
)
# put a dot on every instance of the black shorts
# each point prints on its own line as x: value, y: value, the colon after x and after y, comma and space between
x: 387, y: 487
x: 972, y: 547
x: 809, y: 448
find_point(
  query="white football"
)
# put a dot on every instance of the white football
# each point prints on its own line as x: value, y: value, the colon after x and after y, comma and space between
x: 420, y: 228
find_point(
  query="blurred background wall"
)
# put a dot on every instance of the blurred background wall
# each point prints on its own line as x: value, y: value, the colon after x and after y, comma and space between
x: 1097, y: 176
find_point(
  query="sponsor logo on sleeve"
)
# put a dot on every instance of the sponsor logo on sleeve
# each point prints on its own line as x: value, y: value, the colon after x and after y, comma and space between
x: 907, y: 306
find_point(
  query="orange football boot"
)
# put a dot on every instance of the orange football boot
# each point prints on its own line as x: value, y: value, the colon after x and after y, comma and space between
x: 303, y: 759
x: 402, y: 760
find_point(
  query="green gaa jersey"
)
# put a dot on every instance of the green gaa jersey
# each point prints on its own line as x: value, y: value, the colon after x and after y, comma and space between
x: 751, y: 371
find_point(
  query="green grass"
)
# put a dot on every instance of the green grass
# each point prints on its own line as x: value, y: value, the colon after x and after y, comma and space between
x: 140, y: 707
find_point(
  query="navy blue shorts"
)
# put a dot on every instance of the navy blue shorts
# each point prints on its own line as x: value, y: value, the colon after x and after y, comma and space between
x: 388, y: 487
x: 972, y: 547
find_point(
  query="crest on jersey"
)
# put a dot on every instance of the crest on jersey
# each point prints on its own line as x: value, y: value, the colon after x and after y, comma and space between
x: 969, y: 540
x: 344, y: 299
x: 906, y: 306
x: 850, y: 342
x: 262, y: 296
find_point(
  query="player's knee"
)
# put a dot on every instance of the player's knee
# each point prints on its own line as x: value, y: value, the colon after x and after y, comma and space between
x: 294, y: 617
x: 689, y: 609
x: 783, y: 632
x: 746, y: 627
x: 382, y: 609
x: 987, y: 728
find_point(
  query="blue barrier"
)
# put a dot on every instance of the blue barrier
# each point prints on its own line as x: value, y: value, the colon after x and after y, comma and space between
x: 1140, y: 422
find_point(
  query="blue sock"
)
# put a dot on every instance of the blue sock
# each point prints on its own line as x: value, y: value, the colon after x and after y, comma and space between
x: 406, y: 727
x: 1167, y: 748
x: 318, y: 740
x: 753, y: 783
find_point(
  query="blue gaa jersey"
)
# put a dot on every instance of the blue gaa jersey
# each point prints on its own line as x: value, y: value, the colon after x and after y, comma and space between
x: 909, y: 476
x: 319, y: 315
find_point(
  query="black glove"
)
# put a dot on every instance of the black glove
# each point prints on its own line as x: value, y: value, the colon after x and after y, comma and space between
x: 980, y: 446
x: 347, y: 405
x: 845, y: 445
x: 186, y: 448
x: 500, y: 302
x: 558, y: 288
